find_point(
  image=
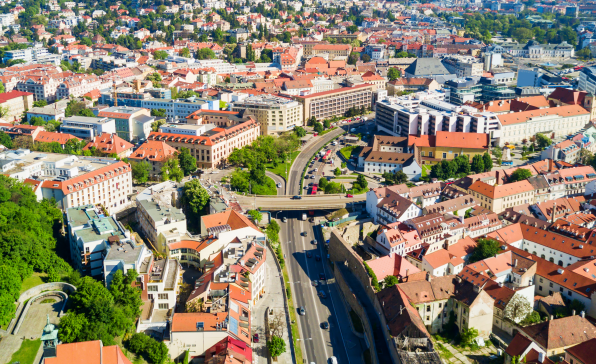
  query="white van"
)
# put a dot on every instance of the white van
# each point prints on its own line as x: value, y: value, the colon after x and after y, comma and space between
x: 333, y: 360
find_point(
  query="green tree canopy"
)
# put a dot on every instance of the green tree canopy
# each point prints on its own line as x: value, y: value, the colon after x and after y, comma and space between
x: 520, y: 174
x: 485, y: 248
x: 276, y: 346
x: 195, y: 195
x: 187, y: 162
x: 140, y: 171
x: 171, y: 170
x: 393, y: 74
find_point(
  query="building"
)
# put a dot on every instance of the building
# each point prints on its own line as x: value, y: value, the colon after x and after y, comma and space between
x: 159, y: 279
x: 53, y: 112
x: 581, y: 353
x: 431, y: 149
x: 213, y: 147
x: 15, y: 103
x: 498, y: 198
x: 155, y: 218
x: 555, y: 121
x: 464, y: 67
x: 155, y: 153
x: 428, y: 68
x: 180, y: 108
x: 412, y: 84
x: 83, y: 352
x: 100, y: 245
x: 323, y: 105
x: 333, y: 50
x: 109, y: 145
x: 87, y: 127
x: 72, y: 180
x: 275, y: 114
x: 566, y: 151
x: 133, y: 124
x: 533, y: 49
x: 133, y: 96
x: 387, y: 205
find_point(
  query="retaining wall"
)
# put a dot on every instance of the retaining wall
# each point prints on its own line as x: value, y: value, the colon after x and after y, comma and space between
x: 53, y: 286
x: 36, y: 298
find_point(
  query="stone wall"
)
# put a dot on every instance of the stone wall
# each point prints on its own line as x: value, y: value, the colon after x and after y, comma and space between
x: 354, y: 303
x: 53, y: 286
x: 342, y: 253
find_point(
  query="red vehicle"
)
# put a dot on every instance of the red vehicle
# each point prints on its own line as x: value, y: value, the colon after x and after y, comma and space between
x: 316, y: 134
x: 313, y: 190
x: 326, y: 155
x: 255, y: 338
x: 350, y: 196
x: 577, y: 68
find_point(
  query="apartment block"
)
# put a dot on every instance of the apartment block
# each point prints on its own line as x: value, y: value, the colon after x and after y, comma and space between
x: 155, y: 217
x: 133, y: 124
x: 87, y: 127
x: 336, y: 102
x: 276, y: 114
x: 72, y: 180
x: 100, y: 245
x: 333, y: 50
x: 16, y: 103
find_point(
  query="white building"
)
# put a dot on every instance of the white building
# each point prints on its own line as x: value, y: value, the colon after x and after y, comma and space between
x: 87, y: 127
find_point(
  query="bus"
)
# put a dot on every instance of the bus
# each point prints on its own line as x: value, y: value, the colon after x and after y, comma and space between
x: 313, y: 190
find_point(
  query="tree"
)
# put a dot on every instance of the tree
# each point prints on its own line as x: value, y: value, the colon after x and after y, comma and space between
x: 187, y: 162
x: 157, y: 352
x: 337, y: 172
x: 485, y: 248
x: 318, y: 127
x: 195, y: 196
x: 277, y: 323
x: 542, y: 141
x: 323, y: 183
x: 159, y: 55
x: 40, y: 103
x: 72, y: 326
x: 400, y: 177
x: 390, y: 281
x: 5, y: 140
x: 488, y: 162
x: 155, y: 78
x: 10, y: 281
x: 468, y: 336
x: 520, y: 174
x: 531, y: 319
x: 365, y: 58
x: 157, y: 123
x: 393, y: 74
x: 522, y: 35
x: 2, y: 88
x: 327, y: 124
x: 353, y: 58
x: 299, y: 131
x: 87, y: 113
x: 478, y: 164
x: 140, y: 171
x: 205, y: 53
x: 361, y: 182
x: 185, y: 52
x: 517, y: 309
x: 276, y: 346
x: 256, y: 216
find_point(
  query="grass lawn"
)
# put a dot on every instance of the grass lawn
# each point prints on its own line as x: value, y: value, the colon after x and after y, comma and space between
x: 352, y: 178
x: 293, y: 323
x: 356, y: 321
x: 347, y: 151
x: 268, y: 188
x: 425, y: 170
x: 36, y: 279
x: 280, y: 170
x: 26, y: 354
x: 327, y: 131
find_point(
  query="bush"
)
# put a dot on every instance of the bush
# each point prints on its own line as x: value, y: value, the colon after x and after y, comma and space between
x: 288, y: 292
x: 154, y: 351
x: 374, y: 281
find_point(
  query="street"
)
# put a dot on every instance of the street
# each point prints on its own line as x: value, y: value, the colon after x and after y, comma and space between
x: 319, y: 344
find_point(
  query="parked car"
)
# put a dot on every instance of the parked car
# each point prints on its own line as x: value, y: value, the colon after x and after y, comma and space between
x: 325, y: 325
x: 297, y: 197
x: 284, y: 219
x: 322, y: 294
x: 303, y: 233
x: 322, y: 277
x: 349, y: 195
x: 255, y: 338
x: 318, y: 258
x: 302, y: 311
x: 313, y: 242
x: 279, y: 185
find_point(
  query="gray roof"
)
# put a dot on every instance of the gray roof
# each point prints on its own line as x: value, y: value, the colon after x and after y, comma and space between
x: 427, y: 67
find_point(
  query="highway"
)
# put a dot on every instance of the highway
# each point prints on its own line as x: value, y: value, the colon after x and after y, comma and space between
x: 318, y: 344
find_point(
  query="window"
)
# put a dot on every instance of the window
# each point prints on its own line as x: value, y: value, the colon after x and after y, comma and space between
x: 427, y: 308
x: 440, y: 305
x: 163, y: 306
x: 152, y: 288
x: 444, y: 155
x: 162, y: 296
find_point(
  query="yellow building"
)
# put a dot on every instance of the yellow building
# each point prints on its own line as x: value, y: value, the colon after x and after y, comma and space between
x: 432, y: 149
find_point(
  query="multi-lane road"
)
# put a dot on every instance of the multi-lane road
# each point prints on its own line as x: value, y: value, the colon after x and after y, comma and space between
x: 296, y: 235
x: 306, y: 263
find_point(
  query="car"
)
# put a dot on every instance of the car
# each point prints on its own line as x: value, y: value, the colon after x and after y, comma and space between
x: 309, y: 255
x: 322, y: 276
x: 279, y: 185
x: 318, y: 258
x: 322, y: 294
x: 313, y: 242
x: 214, y: 172
x: 325, y: 325
x: 297, y: 197
x: 312, y: 219
x: 284, y: 219
x: 333, y: 360
x: 312, y: 177
x: 316, y: 169
x: 310, y: 184
x: 349, y: 195
x: 315, y: 283
x: 302, y: 311
x: 255, y: 338
x: 303, y: 233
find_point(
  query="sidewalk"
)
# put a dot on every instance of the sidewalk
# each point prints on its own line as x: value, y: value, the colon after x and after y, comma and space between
x: 273, y: 298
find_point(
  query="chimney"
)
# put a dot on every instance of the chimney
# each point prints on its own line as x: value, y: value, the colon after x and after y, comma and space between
x: 554, y: 212
x: 551, y: 317
x: 514, y: 263
x: 428, y: 276
x: 583, y: 314
x: 541, y: 357
x: 573, y: 313
x: 407, y: 272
